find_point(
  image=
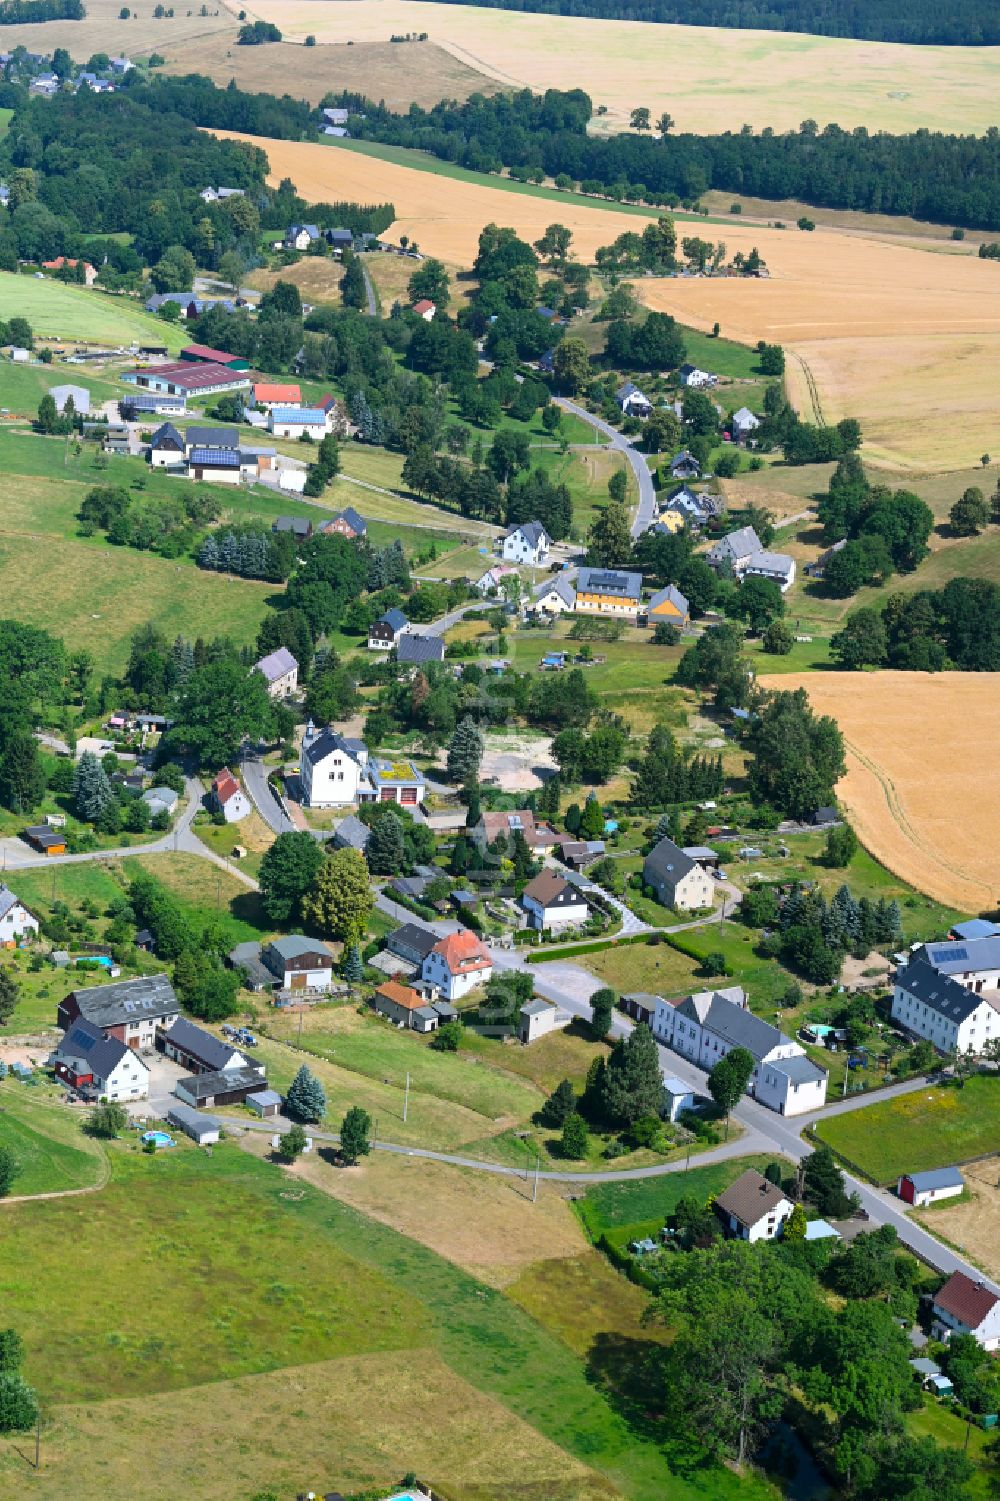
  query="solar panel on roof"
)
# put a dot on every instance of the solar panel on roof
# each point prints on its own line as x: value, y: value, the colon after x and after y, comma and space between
x: 941, y: 956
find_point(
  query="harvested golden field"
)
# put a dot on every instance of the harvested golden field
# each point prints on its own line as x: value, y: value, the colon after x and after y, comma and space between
x: 885, y: 331
x: 921, y: 788
x: 710, y: 78
x: 972, y: 1224
x: 103, y: 30
x: 399, y: 75
x: 317, y: 277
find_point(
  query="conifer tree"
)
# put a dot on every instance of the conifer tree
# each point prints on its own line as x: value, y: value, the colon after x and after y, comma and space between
x: 353, y: 969
x: 465, y: 752
x: 306, y: 1098
x: 92, y: 793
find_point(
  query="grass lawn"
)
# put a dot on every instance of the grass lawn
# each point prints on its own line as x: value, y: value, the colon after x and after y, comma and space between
x: 566, y: 1054
x: 722, y: 357
x: 587, y: 1304
x: 656, y: 968
x: 59, y: 310
x: 23, y: 386
x: 585, y: 475
x: 252, y: 833
x: 47, y: 1140
x: 6, y: 116
x: 938, y: 1421
x: 367, y: 1046
x: 611, y: 1206
x: 933, y: 1127
x: 204, y: 890
x: 244, y: 1270
x: 633, y: 679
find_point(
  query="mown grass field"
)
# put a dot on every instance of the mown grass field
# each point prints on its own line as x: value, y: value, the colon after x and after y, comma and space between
x: 247, y: 1271
x: 610, y: 1206
x: 933, y: 1127
x: 47, y: 1140
x: 61, y: 310
x: 23, y: 386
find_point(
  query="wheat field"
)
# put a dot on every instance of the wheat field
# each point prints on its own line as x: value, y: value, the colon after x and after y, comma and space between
x: 921, y: 788
x: 709, y: 78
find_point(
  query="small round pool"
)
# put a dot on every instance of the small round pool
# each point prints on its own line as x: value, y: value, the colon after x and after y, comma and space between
x: 158, y: 1138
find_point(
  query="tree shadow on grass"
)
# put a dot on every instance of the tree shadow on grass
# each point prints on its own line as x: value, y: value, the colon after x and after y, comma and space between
x: 630, y: 1373
x: 247, y: 907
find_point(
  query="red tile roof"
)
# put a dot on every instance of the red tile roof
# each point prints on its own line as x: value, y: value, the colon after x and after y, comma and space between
x: 402, y: 995
x: 193, y: 376
x: 424, y: 306
x: 965, y: 1300
x: 203, y: 352
x: 463, y: 952
x: 265, y: 391
x: 225, y: 785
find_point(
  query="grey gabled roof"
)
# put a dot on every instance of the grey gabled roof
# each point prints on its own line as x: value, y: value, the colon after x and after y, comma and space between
x: 410, y: 648
x: 938, y: 1177
x: 351, y: 833
x: 203, y: 1045
x: 127, y: 1000
x: 617, y: 581
x: 672, y: 595
x: 738, y: 544
x: 413, y: 937
x: 214, y: 437
x: 206, y: 1086
x: 750, y: 1198
x: 276, y: 664
x: 327, y: 743
x: 770, y: 562
x: 800, y: 1070
x: 741, y: 1029
x: 394, y: 618
x: 960, y: 958
x: 563, y: 586
x: 167, y: 436
x: 668, y: 861
x: 9, y: 899
x: 296, y: 944
x: 951, y: 1001
x: 533, y: 532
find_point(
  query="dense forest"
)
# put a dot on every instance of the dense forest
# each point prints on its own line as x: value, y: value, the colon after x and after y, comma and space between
x: 17, y: 12
x: 964, y: 23
x: 947, y: 179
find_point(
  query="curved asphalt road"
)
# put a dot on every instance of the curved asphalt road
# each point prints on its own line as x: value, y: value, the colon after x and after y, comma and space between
x: 646, y: 512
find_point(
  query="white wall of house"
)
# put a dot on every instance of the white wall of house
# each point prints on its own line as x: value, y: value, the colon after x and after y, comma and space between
x: 165, y: 458
x: 236, y: 808
x: 948, y: 1035
x: 16, y: 924
x: 332, y: 781
x: 787, y: 1096
x: 517, y: 549
x: 315, y: 430
x: 705, y: 1047
x: 570, y: 916
x: 315, y: 979
x: 987, y: 1334
x: 453, y: 986
x: 286, y: 684
x: 128, y: 1080
x: 767, y: 1228
x: 541, y: 1023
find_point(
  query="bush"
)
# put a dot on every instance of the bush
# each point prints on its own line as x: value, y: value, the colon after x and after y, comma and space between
x: 447, y: 1038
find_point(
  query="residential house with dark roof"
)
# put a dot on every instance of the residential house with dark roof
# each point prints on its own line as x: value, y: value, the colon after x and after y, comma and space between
x: 555, y: 596
x: 299, y: 527
x: 551, y: 901
x: 130, y: 1010
x: 608, y: 591
x: 405, y: 1007
x: 932, y: 1005
x: 384, y: 633
x: 974, y: 963
x: 88, y: 1059
x: 963, y: 1306
x: 298, y: 963
x: 411, y: 942
x: 419, y: 649
x: 735, y: 549
x: 684, y: 465
x: 351, y: 834
x: 632, y: 401
x: 752, y: 1208
x: 228, y: 1086
x: 707, y: 1025
x: 346, y: 523
x: 337, y: 769
x: 167, y: 449
x: 745, y: 424
x: 301, y: 236
x: 280, y: 671
x: 678, y: 880
x: 540, y: 837
x: 527, y: 543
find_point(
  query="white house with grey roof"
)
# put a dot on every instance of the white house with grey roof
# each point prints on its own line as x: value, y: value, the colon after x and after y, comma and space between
x: 338, y: 769
x: 705, y: 1026
x: 974, y: 963
x: 196, y: 1050
x: 779, y: 567
x: 677, y: 880
x: 280, y: 671
x: 632, y: 401
x: 17, y: 921
x: 745, y: 423
x: 735, y: 549
x: 555, y: 596
x: 527, y: 543
x: 131, y: 1010
x: 937, y: 1007
x: 101, y: 1066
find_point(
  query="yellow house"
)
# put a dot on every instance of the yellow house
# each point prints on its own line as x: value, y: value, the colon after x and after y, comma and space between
x: 668, y: 605
x: 672, y: 520
x: 603, y: 591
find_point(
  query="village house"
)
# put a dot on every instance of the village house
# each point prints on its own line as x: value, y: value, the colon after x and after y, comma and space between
x: 160, y: 800
x: 538, y: 1018
x: 101, y: 1065
x: 336, y: 770
x: 411, y: 943
x: 752, y: 1208
x: 280, y: 671
x: 776, y: 566
x: 555, y: 597
x: 267, y: 394
x: 384, y: 633
x: 17, y: 922
x: 632, y: 401
x: 297, y: 422
x: 167, y: 449
x: 130, y: 1010
x: 684, y: 465
x: 404, y: 1007
x: 346, y: 523
x: 301, y: 236
x: 457, y: 964
x: 705, y: 1026
x: 966, y: 1307
x: 935, y: 1006
x: 604, y: 591
x: 351, y: 834
x: 552, y: 901
x: 678, y: 881
x: 745, y: 424
x: 298, y: 963
x: 198, y: 1051
x: 218, y: 195
x: 490, y: 581
x: 527, y: 543
x: 416, y: 650
x: 694, y: 379
x: 540, y: 838
x: 425, y: 309
x: 921, y: 1189
x: 299, y: 527
x: 668, y: 605
x: 89, y: 271
x: 816, y: 570
x: 973, y: 963
x: 735, y: 549
x: 228, y: 797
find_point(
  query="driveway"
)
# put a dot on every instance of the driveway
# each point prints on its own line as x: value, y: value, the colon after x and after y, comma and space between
x: 254, y: 774
x: 646, y: 510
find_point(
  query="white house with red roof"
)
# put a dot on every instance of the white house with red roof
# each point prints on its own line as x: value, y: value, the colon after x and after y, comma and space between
x: 457, y: 964
x: 966, y: 1307
x: 425, y: 309
x: 228, y: 797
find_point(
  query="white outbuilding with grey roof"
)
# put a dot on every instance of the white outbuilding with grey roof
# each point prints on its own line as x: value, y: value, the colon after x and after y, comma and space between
x: 79, y: 395
x: 920, y: 1189
x: 203, y: 1129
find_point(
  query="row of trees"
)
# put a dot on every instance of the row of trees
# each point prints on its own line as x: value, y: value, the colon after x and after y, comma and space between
x: 928, y: 631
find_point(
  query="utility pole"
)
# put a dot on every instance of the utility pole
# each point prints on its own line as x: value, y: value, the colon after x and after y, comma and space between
x: 534, y: 1191
x: 38, y: 1439
x: 406, y: 1099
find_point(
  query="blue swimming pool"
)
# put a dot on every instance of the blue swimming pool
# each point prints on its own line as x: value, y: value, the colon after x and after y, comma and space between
x: 160, y: 1138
